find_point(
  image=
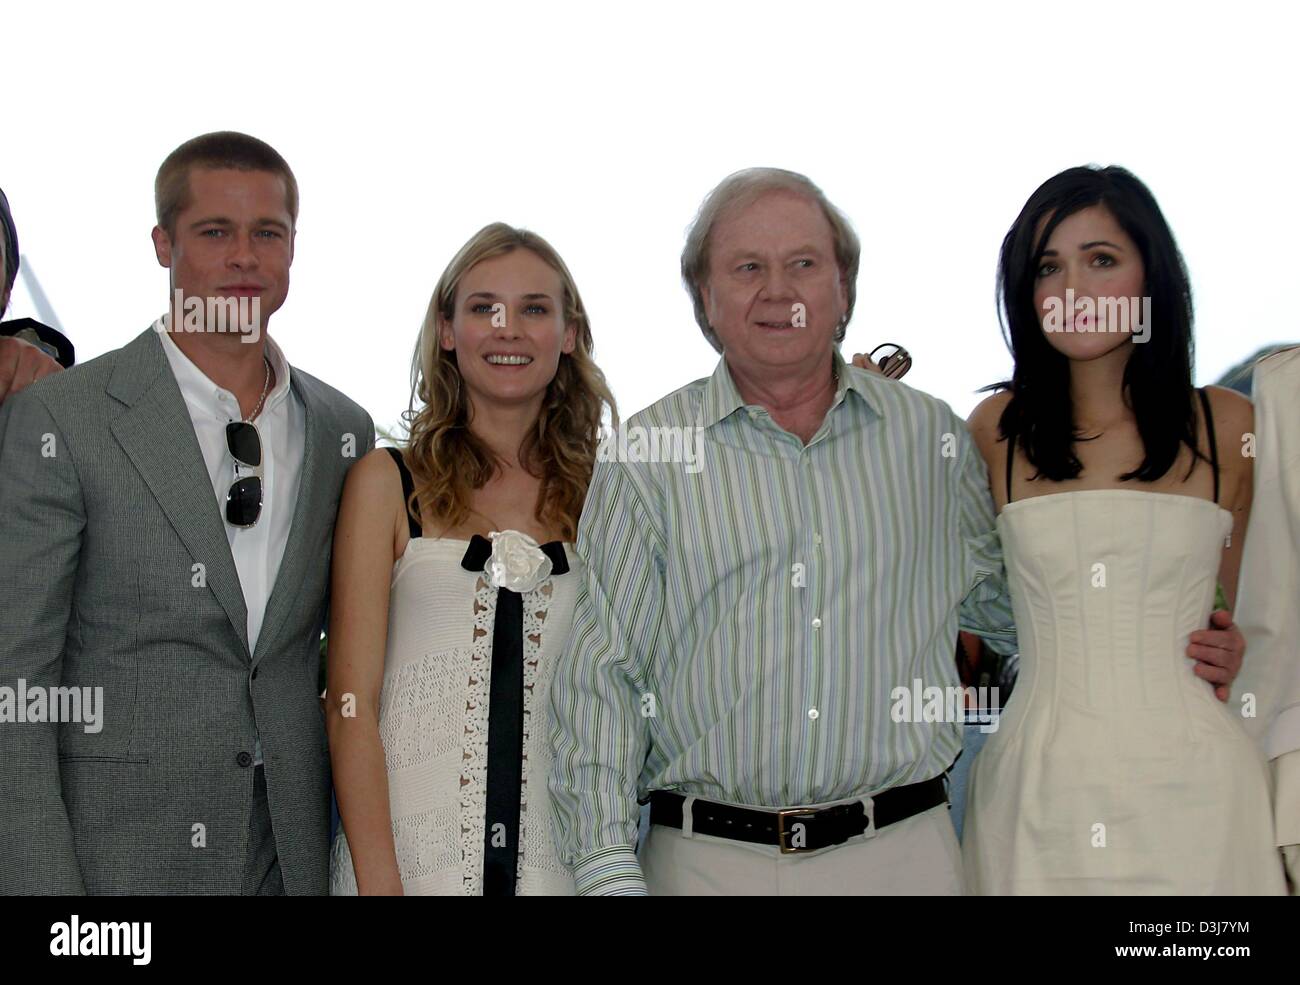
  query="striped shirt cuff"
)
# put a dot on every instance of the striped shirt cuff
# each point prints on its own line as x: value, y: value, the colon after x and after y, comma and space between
x: 612, y: 871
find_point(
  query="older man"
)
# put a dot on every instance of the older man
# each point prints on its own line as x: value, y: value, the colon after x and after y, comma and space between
x: 747, y: 622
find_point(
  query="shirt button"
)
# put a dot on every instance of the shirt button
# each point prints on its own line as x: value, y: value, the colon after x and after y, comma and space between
x: 813, y: 714
x: 817, y: 623
x: 243, y: 759
x: 817, y: 538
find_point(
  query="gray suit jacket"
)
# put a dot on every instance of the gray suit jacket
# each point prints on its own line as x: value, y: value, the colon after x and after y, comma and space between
x: 106, y: 508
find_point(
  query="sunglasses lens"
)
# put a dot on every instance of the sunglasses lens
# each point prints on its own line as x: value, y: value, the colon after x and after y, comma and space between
x: 244, y: 444
x: 882, y: 354
x: 244, y: 502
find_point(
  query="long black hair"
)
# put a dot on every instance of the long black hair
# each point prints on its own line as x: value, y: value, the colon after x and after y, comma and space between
x: 1158, y: 374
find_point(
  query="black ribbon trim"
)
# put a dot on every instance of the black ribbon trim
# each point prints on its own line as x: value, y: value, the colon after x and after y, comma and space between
x: 480, y: 549
x: 505, y: 723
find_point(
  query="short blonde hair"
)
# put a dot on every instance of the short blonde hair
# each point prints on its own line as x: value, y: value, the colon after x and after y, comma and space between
x: 223, y: 150
x: 742, y: 188
x: 447, y: 460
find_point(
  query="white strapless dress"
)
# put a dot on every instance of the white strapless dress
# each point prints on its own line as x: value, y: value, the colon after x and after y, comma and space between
x: 1114, y: 769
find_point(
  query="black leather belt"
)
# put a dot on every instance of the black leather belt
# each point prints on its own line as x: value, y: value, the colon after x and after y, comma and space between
x: 799, y: 829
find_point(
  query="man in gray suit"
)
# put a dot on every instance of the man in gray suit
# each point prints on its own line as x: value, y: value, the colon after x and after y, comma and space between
x: 167, y: 517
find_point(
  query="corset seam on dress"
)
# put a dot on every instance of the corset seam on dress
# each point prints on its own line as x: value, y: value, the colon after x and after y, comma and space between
x: 1186, y: 717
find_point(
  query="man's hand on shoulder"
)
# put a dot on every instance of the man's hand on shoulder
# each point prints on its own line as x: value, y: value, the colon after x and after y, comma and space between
x: 21, y: 365
x: 894, y: 361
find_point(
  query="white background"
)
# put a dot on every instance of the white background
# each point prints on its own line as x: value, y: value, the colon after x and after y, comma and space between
x: 602, y: 126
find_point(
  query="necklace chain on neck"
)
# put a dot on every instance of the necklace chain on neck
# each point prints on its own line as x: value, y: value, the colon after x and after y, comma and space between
x: 266, y: 385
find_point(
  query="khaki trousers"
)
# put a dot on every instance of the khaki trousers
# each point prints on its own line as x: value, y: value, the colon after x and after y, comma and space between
x: 915, y: 857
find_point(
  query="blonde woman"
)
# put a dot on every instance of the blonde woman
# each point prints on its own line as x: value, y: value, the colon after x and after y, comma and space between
x: 453, y: 587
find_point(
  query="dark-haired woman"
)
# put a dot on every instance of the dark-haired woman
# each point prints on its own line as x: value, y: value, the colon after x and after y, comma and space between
x: 1123, y: 496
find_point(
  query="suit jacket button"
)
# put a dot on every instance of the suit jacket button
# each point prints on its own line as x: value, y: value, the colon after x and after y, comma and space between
x: 243, y: 759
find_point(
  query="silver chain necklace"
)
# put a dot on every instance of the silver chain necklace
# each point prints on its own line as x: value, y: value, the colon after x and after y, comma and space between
x: 266, y: 385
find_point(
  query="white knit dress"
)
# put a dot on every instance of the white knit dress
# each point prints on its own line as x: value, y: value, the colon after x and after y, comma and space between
x: 433, y: 722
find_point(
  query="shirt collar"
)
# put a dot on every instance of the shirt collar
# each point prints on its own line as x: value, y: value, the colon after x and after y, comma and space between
x: 722, y: 398
x: 280, y: 367
x: 198, y: 389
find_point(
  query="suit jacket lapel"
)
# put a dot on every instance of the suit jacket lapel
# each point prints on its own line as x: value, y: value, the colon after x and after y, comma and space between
x: 158, y: 436
x: 307, y: 511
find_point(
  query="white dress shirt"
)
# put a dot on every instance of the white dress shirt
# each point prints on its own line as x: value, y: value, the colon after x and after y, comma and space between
x: 281, y: 423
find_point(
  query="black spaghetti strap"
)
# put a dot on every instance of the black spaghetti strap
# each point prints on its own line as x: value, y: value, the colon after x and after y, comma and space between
x: 1209, y: 433
x: 1011, y: 458
x: 408, y: 487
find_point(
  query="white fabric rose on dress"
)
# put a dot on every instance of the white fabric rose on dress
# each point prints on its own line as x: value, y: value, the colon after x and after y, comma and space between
x: 517, y: 562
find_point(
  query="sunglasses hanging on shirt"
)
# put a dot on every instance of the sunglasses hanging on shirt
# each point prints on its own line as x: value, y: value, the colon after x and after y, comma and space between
x: 244, y: 498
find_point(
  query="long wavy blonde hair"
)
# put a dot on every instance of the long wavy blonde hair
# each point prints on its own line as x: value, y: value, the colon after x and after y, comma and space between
x: 447, y: 460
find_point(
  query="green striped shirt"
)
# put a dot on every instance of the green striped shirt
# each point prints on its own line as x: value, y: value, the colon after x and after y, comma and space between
x: 746, y: 617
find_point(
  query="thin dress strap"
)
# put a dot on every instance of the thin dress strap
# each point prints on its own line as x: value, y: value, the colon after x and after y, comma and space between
x: 1209, y: 433
x: 1011, y: 458
x: 408, y: 488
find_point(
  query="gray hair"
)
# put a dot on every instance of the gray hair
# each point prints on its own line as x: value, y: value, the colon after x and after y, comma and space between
x: 742, y: 188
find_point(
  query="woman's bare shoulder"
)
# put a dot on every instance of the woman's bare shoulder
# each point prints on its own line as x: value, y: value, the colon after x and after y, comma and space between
x: 1234, y: 421
x: 984, y: 423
